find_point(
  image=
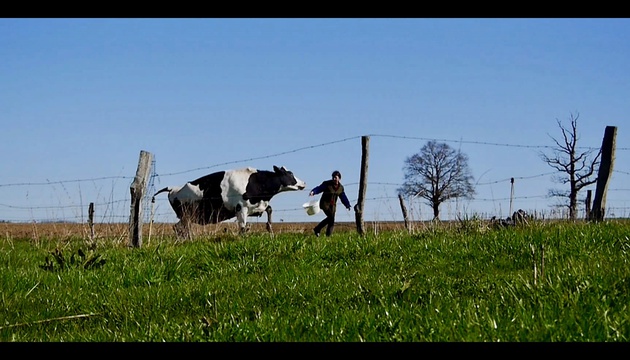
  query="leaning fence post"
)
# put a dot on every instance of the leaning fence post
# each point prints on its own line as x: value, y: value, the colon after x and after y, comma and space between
x: 404, y: 212
x: 359, y: 206
x: 138, y: 187
x: 604, y: 173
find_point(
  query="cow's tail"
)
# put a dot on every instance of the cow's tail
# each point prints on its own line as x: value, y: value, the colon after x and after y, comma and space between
x: 161, y: 191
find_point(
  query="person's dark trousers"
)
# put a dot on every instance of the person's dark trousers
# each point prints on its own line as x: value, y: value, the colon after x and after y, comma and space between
x: 328, y: 221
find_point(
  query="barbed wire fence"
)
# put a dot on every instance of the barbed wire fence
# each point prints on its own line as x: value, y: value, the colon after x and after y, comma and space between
x: 114, y: 206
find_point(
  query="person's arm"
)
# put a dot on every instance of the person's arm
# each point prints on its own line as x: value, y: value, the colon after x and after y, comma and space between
x: 344, y: 200
x: 317, y: 189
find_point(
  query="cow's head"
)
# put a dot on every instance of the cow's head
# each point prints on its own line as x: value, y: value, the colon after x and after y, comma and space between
x: 288, y: 181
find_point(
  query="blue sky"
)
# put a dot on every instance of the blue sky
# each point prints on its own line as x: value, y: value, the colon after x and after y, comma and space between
x: 80, y: 98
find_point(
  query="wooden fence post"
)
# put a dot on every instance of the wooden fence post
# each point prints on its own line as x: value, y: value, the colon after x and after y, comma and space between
x: 587, y: 204
x: 604, y: 172
x: 137, y: 189
x: 359, y: 206
x: 511, y: 196
x: 91, y: 221
x: 404, y: 212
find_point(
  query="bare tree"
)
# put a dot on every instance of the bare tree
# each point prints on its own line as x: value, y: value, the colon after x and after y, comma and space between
x: 576, y: 169
x: 437, y: 173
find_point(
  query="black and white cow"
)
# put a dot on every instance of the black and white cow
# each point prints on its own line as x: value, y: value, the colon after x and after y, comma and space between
x: 223, y: 195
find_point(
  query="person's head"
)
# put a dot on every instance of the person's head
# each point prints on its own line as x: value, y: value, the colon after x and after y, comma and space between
x: 336, y: 175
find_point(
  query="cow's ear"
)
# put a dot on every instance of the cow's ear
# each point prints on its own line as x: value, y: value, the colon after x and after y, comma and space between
x: 276, y: 169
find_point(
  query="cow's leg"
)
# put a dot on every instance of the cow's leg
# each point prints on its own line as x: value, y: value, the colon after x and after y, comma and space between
x: 179, y: 230
x: 182, y: 229
x: 241, y: 218
x: 268, y: 210
x: 188, y: 232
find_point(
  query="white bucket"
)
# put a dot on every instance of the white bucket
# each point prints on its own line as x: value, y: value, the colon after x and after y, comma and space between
x: 311, y: 207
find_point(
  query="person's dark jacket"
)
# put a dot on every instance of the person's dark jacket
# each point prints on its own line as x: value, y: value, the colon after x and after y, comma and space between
x: 330, y: 195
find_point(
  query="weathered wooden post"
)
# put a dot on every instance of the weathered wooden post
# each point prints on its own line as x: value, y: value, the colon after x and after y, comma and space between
x: 91, y: 221
x: 359, y: 206
x: 404, y: 212
x: 137, y: 189
x: 603, y: 175
x: 511, y: 196
x: 588, y: 204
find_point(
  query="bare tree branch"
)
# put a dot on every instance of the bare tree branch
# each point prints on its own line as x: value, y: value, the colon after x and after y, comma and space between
x: 576, y: 169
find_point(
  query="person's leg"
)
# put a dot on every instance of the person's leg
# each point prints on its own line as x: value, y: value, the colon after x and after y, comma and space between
x: 331, y: 223
x: 324, y: 222
x: 321, y: 225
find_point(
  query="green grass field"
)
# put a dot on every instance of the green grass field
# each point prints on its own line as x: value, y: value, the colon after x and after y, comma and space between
x: 552, y: 282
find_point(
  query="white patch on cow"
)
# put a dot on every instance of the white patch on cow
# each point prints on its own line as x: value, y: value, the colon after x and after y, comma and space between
x: 257, y: 208
x: 187, y: 193
x: 234, y: 185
